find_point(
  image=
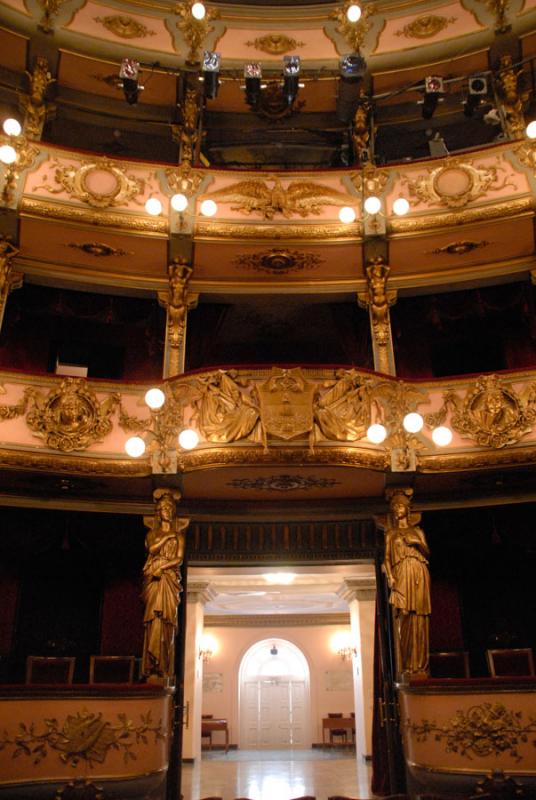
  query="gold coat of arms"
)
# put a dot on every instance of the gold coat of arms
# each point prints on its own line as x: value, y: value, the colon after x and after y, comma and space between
x: 286, y: 401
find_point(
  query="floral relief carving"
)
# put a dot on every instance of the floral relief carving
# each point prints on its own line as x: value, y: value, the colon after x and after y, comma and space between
x: 276, y: 44
x: 125, y: 27
x: 456, y: 183
x: 278, y: 261
x: 85, y: 736
x: 425, y: 27
x: 354, y: 33
x: 101, y: 183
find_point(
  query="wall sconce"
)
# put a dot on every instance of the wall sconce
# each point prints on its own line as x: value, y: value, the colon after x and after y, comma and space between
x: 207, y: 648
x: 342, y: 645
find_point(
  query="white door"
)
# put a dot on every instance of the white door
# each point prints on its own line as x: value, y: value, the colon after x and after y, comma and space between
x: 273, y: 713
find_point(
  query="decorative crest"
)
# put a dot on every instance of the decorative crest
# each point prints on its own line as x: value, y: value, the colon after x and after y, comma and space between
x: 353, y: 32
x: 456, y: 183
x: 101, y: 183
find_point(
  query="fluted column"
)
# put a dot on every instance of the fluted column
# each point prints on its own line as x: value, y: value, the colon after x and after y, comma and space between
x: 198, y: 593
x: 361, y: 597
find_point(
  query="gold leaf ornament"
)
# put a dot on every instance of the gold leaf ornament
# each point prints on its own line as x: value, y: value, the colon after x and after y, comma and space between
x: 125, y: 27
x: 275, y: 44
x: 101, y: 183
x: 425, y: 27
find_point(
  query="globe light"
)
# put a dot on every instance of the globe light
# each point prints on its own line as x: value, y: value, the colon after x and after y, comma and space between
x: 400, y: 206
x: 442, y: 436
x: 208, y: 208
x: 347, y: 215
x: 155, y: 398
x: 198, y: 11
x: 376, y: 433
x: 530, y: 130
x: 353, y: 13
x: 373, y: 204
x: 188, y: 439
x: 12, y: 127
x: 179, y: 202
x: 8, y: 154
x: 153, y: 206
x: 413, y: 422
x: 135, y: 446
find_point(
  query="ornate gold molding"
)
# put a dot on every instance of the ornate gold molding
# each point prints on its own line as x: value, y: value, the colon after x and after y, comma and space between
x: 434, y: 221
x: 471, y: 183
x: 324, y: 232
x: 194, y: 30
x: 354, y: 33
x: 273, y: 620
x: 9, y: 279
x: 106, y: 219
x: 26, y: 155
x: 73, y: 465
x: 77, y: 180
x: 278, y: 261
x: 99, y: 249
x: 283, y: 483
x: 35, y: 108
x: 425, y: 27
x: 276, y: 44
x: 460, y: 247
x: 50, y: 9
x: 184, y: 178
x: 299, y: 198
x: 124, y: 27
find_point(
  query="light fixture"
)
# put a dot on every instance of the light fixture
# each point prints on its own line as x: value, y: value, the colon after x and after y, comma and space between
x: 342, y: 644
x: 179, y: 202
x: 413, y: 422
x: 280, y: 578
x: 208, y: 647
x: 477, y: 88
x: 208, y: 208
x: 135, y: 446
x: 155, y: 398
x: 8, y: 154
x: 442, y: 436
x: 211, y: 73
x: 433, y: 89
x: 273, y: 650
x: 353, y: 13
x: 128, y: 74
x: 188, y: 439
x: 12, y: 127
x: 400, y: 206
x: 153, y: 206
x: 291, y: 78
x: 376, y: 433
x: 373, y: 204
x: 530, y: 130
x: 252, y: 77
x: 347, y: 215
x: 198, y: 11
x: 353, y: 69
x: 352, y: 66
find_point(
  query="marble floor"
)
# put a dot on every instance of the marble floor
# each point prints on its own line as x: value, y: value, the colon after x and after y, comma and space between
x: 276, y: 775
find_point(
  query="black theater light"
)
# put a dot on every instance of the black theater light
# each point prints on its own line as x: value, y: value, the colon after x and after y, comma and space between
x: 253, y: 76
x: 291, y: 77
x: 434, y: 88
x: 477, y: 88
x: 211, y: 73
x: 128, y: 76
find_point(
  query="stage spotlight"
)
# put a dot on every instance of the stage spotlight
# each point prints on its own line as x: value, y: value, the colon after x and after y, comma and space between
x: 211, y: 72
x: 353, y: 70
x: 128, y: 75
x: 477, y: 88
x: 353, y: 66
x: 291, y: 73
x: 253, y: 75
x: 433, y: 89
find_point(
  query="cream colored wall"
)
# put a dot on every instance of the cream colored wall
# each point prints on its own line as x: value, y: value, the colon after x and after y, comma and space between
x: 313, y: 641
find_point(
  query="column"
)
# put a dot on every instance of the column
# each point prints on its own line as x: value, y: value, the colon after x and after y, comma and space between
x: 198, y: 594
x: 177, y: 301
x: 378, y: 300
x: 361, y: 597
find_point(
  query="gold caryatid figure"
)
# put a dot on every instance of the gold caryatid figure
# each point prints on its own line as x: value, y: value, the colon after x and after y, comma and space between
x: 379, y: 299
x: 177, y: 306
x: 39, y: 79
x: 361, y: 129
x: 164, y: 544
x: 406, y: 567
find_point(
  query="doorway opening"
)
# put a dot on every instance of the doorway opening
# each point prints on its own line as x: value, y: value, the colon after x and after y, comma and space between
x: 274, y: 697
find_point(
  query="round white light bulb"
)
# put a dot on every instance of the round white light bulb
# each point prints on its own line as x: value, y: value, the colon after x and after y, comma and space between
x: 8, y: 154
x: 198, y: 11
x: 155, y: 398
x: 530, y: 130
x: 208, y: 208
x: 12, y: 127
x: 376, y: 433
x: 400, y: 206
x: 347, y: 215
x: 179, y: 202
x: 373, y: 204
x: 353, y: 14
x: 413, y: 422
x: 135, y: 446
x: 442, y: 436
x: 153, y: 206
x: 188, y: 439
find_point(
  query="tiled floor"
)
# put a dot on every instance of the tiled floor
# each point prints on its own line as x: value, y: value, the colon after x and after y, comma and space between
x: 276, y: 775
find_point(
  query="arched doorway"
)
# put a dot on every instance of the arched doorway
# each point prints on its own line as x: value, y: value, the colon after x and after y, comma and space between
x: 274, y: 696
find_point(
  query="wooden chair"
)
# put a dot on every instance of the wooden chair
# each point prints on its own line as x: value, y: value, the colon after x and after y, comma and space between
x: 206, y: 734
x: 50, y: 669
x: 450, y: 664
x: 341, y: 732
x: 111, y: 669
x: 517, y: 661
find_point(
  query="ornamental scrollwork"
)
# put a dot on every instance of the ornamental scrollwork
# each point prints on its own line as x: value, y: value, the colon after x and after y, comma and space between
x: 354, y: 33
x: 455, y: 184
x: 276, y: 44
x: 489, y: 729
x: 278, y: 261
x: 82, y: 183
x: 69, y: 417
x: 492, y: 412
x: 84, y: 737
x: 299, y: 198
x: 425, y: 27
x: 194, y: 30
x: 125, y: 27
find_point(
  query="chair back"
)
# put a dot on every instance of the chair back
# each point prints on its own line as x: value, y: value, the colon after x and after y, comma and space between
x: 450, y: 664
x: 517, y: 661
x: 111, y: 669
x: 49, y: 669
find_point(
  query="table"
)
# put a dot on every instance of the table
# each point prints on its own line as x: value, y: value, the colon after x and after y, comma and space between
x: 210, y: 725
x: 331, y: 723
